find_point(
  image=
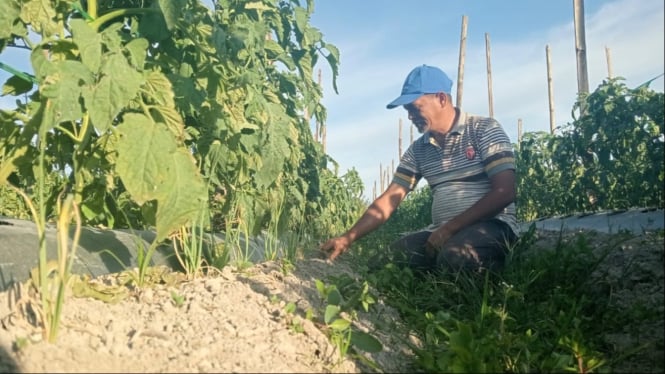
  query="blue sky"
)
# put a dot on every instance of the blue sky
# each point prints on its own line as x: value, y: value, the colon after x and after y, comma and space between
x: 381, y: 41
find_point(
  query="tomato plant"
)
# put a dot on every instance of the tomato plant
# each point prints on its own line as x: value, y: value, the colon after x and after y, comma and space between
x: 144, y: 108
x: 611, y: 157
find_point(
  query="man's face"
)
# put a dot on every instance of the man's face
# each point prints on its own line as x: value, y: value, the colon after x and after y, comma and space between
x: 421, y: 111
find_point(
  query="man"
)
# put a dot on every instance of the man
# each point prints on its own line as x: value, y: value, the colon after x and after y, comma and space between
x: 469, y: 165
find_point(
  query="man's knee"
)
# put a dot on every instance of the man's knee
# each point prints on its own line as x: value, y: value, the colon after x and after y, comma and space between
x: 472, y: 258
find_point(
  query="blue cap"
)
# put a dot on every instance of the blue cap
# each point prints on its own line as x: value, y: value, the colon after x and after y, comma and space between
x: 420, y: 81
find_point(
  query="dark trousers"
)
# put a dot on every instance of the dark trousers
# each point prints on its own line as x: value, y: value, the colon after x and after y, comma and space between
x: 481, y: 245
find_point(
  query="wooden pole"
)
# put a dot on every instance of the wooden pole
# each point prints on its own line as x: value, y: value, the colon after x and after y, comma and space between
x: 580, y: 50
x: 460, y: 65
x: 489, y: 75
x: 519, y: 131
x: 411, y: 131
x: 399, y: 140
x: 374, y: 194
x: 550, y: 88
x: 609, y: 63
x: 381, y: 175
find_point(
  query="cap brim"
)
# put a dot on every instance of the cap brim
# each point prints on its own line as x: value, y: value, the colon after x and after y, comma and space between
x: 403, y: 100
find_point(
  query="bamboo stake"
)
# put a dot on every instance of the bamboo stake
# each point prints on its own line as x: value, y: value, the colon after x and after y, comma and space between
x: 550, y: 88
x: 609, y: 63
x: 460, y: 66
x: 399, y: 141
x: 387, y: 176
x: 580, y: 50
x: 489, y: 75
x: 381, y: 175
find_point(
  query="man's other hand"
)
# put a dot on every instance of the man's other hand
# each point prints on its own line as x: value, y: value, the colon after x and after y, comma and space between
x: 335, y: 247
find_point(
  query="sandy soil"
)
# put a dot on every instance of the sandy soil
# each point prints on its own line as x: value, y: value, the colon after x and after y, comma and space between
x: 237, y: 321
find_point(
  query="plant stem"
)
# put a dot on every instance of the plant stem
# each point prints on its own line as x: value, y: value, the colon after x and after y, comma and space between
x: 25, y: 76
x: 98, y: 22
x: 92, y: 9
x: 41, y: 211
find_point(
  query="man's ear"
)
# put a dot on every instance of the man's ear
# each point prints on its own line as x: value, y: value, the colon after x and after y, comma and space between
x: 442, y: 98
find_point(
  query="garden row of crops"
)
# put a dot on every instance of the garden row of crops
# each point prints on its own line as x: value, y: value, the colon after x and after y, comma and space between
x: 167, y: 115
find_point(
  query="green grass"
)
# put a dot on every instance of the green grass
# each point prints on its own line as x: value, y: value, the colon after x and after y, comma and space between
x: 543, y: 312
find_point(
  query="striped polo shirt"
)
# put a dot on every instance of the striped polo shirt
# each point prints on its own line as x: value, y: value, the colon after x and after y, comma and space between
x: 458, y: 171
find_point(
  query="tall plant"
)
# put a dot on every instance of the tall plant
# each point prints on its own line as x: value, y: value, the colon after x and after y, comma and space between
x: 612, y: 157
x: 146, y: 93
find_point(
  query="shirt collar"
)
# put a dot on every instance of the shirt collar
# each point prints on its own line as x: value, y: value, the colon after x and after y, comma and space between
x: 457, y: 129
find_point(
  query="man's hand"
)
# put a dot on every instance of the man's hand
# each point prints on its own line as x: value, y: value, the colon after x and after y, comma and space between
x: 436, y: 240
x: 335, y: 246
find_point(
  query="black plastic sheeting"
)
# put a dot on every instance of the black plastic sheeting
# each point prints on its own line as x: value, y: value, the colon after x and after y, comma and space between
x: 636, y: 221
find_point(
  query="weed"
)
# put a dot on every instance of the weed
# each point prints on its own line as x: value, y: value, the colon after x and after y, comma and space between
x: 188, y: 248
x: 52, y: 277
x: 539, y: 313
x: 292, y: 320
x: 337, y: 309
x: 178, y: 300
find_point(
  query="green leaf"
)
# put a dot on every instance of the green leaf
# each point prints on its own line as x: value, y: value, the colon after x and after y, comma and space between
x: 63, y: 84
x: 301, y: 17
x: 320, y: 286
x: 331, y: 312
x: 333, y: 60
x: 10, y: 10
x: 160, y: 93
x: 119, y: 84
x: 460, y: 340
x: 273, y: 154
x: 141, y: 151
x: 40, y: 14
x: 89, y: 43
x: 365, y: 342
x: 153, y: 27
x: 182, y: 195
x: 340, y: 324
x: 257, y: 5
x: 274, y: 48
x: 290, y: 308
x: 189, y: 98
x: 112, y: 37
x: 137, y: 49
x: 153, y: 167
x: 172, y: 9
x: 334, y: 297
x: 16, y: 86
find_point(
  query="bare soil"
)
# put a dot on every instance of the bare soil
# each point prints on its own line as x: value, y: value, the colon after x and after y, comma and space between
x: 237, y: 320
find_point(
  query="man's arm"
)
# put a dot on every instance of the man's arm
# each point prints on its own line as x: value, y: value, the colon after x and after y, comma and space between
x: 499, y: 197
x: 375, y: 215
